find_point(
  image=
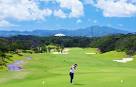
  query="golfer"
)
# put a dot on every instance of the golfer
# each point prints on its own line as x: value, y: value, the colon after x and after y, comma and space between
x: 72, y: 70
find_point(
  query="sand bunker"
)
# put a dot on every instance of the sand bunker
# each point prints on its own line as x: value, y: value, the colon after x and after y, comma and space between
x: 124, y: 60
x: 65, y: 51
x: 90, y: 53
x: 59, y: 53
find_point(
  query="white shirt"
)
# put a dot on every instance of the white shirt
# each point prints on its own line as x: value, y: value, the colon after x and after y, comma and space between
x: 72, y: 69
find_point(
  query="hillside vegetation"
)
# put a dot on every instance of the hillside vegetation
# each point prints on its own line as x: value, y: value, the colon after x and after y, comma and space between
x: 34, y: 44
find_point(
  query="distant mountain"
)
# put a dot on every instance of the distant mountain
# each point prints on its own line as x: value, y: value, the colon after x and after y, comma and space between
x: 93, y: 31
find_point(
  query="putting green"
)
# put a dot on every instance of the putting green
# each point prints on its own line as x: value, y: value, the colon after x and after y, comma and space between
x: 52, y: 70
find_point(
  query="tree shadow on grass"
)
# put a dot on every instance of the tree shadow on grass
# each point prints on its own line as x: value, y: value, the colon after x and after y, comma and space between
x: 79, y: 84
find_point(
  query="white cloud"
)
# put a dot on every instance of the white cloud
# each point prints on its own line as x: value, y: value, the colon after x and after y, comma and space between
x: 59, y: 13
x: 30, y: 9
x: 79, y: 21
x: 116, y: 8
x: 26, y: 10
x: 22, y: 10
x: 4, y: 23
x: 75, y: 6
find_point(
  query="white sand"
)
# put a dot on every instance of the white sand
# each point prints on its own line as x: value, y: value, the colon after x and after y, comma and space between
x: 124, y: 60
x: 65, y: 51
x: 59, y: 53
x: 90, y: 53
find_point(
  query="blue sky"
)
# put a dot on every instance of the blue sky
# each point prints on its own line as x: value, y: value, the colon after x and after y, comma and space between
x: 67, y: 14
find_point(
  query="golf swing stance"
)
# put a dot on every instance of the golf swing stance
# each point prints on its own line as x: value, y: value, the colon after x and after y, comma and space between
x: 72, y: 70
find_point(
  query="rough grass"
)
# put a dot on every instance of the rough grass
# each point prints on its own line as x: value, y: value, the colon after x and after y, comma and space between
x: 50, y: 70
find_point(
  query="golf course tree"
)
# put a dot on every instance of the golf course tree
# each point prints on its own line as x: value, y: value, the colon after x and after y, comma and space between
x: 40, y: 49
x: 37, y: 49
x: 44, y: 48
x: 29, y: 42
x: 59, y: 48
x: 4, y: 50
x: 46, y: 44
x: 4, y: 45
x: 14, y: 47
x: 52, y: 48
x: 25, y: 42
x: 4, y: 58
x: 105, y: 44
x: 49, y: 48
x: 60, y: 42
x: 125, y: 43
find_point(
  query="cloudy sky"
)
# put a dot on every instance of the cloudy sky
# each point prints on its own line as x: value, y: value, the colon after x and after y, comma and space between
x: 67, y: 14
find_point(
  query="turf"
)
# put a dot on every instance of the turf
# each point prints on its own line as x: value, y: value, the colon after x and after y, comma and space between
x: 94, y: 70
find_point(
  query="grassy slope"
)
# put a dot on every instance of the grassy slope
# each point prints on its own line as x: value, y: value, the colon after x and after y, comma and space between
x: 94, y: 71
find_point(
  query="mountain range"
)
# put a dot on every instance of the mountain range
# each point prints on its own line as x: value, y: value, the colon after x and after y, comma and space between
x: 93, y: 31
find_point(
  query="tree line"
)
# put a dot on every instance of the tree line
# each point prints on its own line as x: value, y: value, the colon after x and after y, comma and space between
x: 30, y: 44
x: 15, y: 44
x: 121, y: 42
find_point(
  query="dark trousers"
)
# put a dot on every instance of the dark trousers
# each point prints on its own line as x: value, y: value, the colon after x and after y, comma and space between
x: 71, y: 77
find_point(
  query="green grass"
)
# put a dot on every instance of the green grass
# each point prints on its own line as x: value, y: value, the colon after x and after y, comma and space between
x: 96, y: 70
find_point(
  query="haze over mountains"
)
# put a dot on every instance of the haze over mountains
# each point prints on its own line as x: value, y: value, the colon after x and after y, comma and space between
x: 93, y: 31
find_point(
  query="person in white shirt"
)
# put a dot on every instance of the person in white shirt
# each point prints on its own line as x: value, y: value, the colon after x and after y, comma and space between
x: 72, y: 70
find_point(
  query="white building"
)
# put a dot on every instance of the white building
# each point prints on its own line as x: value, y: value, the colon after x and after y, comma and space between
x: 59, y: 35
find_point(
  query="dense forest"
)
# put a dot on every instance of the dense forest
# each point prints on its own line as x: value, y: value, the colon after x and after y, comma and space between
x: 17, y: 44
